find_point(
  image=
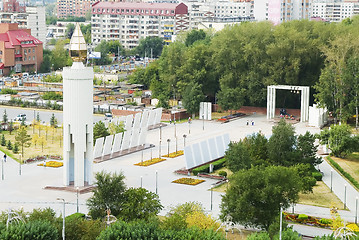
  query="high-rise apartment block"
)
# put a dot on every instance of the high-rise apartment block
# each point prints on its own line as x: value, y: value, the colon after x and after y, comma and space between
x: 128, y: 22
x: 77, y: 8
x: 334, y: 11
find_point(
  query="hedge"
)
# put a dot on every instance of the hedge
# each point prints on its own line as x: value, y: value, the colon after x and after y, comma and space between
x: 344, y: 173
x: 205, y: 168
x: 317, y: 175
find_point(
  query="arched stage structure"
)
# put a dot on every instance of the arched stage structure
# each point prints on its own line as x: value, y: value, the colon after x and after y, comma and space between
x: 304, y: 99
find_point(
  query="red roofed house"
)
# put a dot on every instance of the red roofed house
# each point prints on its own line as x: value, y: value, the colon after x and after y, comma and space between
x: 19, y: 51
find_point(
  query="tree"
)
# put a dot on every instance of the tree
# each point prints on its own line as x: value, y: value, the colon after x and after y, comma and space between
x: 16, y: 148
x: 195, y: 35
x: 231, y: 98
x: 11, y: 126
x: 150, y: 47
x: 42, y: 141
x: 340, y: 140
x: 77, y: 227
x: 114, y: 128
x: 109, y: 194
x: 36, y: 230
x: 22, y: 138
x: 69, y: 30
x: 38, y: 117
x: 99, y: 130
x: 60, y: 56
x: 192, y: 97
x: 3, y: 140
x: 307, y: 149
x: 4, y: 117
x: 139, y: 203
x: 176, y: 217
x: 255, y: 196
x: 53, y: 121
x: 9, y: 145
x: 23, y: 124
x: 46, y: 63
x: 238, y: 156
x: 281, y: 145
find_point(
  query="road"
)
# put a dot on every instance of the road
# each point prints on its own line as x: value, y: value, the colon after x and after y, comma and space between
x: 45, y: 114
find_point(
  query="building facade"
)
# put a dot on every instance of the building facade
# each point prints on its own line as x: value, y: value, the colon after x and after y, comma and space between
x: 77, y: 8
x: 19, y: 51
x: 128, y: 22
x: 334, y: 11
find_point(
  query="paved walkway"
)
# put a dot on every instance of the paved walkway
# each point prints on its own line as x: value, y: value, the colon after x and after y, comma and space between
x: 27, y: 190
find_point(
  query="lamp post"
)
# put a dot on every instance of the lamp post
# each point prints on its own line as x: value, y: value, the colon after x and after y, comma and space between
x: 156, y: 180
x: 141, y: 181
x: 2, y: 168
x: 184, y: 140
x: 77, y: 199
x: 33, y: 124
x: 203, y: 121
x: 20, y: 164
x: 151, y: 154
x: 159, y: 147
x: 345, y: 196
x: 356, y: 210
x: 142, y: 156
x: 211, y: 197
x: 168, y: 147
x: 189, y: 125
x: 331, y: 180
x: 63, y: 218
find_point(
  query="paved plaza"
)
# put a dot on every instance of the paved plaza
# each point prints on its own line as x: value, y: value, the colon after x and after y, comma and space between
x: 27, y: 191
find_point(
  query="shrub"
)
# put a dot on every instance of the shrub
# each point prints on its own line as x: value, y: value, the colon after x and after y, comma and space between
x: 218, y: 164
x: 16, y: 148
x: 302, y: 217
x: 9, y: 145
x: 325, y: 221
x: 222, y: 173
x: 3, y: 140
x: 204, y: 168
x: 317, y: 175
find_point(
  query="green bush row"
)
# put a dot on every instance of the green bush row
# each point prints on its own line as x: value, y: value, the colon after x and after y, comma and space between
x: 317, y: 175
x: 205, y: 168
x: 345, y: 174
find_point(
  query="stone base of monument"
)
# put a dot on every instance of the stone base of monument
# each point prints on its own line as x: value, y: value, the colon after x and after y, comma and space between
x: 123, y: 153
x: 72, y: 188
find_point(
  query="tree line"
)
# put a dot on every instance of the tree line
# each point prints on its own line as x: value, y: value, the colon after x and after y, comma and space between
x: 234, y: 66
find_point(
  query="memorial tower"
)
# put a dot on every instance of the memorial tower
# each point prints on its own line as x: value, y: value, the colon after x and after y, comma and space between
x: 77, y: 115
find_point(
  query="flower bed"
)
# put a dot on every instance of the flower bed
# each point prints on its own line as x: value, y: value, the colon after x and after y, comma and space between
x: 188, y: 181
x: 42, y: 158
x: 150, y: 162
x: 54, y: 164
x: 308, y: 220
x: 174, y: 154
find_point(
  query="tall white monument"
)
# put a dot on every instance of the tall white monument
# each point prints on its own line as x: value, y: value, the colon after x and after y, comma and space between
x: 78, y: 118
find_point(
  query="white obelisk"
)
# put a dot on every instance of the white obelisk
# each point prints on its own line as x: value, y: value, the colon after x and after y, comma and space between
x: 77, y: 115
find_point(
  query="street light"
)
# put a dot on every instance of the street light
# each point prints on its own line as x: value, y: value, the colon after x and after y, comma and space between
x: 184, y: 140
x: 331, y: 180
x: 141, y: 181
x: 203, y: 122
x: 159, y: 147
x: 63, y: 218
x: 2, y: 168
x: 20, y: 164
x: 77, y: 199
x: 211, y: 197
x: 345, y: 196
x: 356, y: 210
x: 168, y: 147
x: 156, y: 180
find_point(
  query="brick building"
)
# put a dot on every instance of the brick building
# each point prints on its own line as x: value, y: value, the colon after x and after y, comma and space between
x: 77, y: 8
x: 13, y: 6
x: 128, y: 22
x: 19, y: 51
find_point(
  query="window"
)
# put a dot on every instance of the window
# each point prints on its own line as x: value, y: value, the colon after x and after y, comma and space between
x: 33, y: 58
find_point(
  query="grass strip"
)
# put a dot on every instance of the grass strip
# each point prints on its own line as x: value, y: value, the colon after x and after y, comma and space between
x: 344, y: 173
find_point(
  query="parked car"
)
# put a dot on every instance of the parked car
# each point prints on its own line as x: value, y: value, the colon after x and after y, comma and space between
x: 20, y: 117
x: 108, y: 116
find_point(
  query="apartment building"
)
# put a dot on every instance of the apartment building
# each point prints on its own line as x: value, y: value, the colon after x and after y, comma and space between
x: 128, y: 22
x: 278, y: 11
x: 334, y: 11
x: 19, y: 51
x: 33, y: 18
x: 77, y: 8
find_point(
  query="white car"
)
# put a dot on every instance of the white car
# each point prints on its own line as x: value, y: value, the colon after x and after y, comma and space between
x: 20, y: 117
x: 108, y: 116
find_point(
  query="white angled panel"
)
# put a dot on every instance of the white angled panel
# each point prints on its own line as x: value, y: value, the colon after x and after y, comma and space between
x: 108, y: 145
x: 128, y: 124
x: 197, y: 154
x: 205, y: 152
x: 142, y: 138
x: 98, y: 147
x: 220, y: 146
x: 189, y: 157
x: 151, y: 117
x: 106, y: 123
x: 134, y: 137
x: 144, y: 119
x: 126, y: 140
x: 136, y: 123
x: 116, y: 147
x: 226, y: 140
x: 209, y: 111
x: 158, y: 115
x: 213, y: 148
